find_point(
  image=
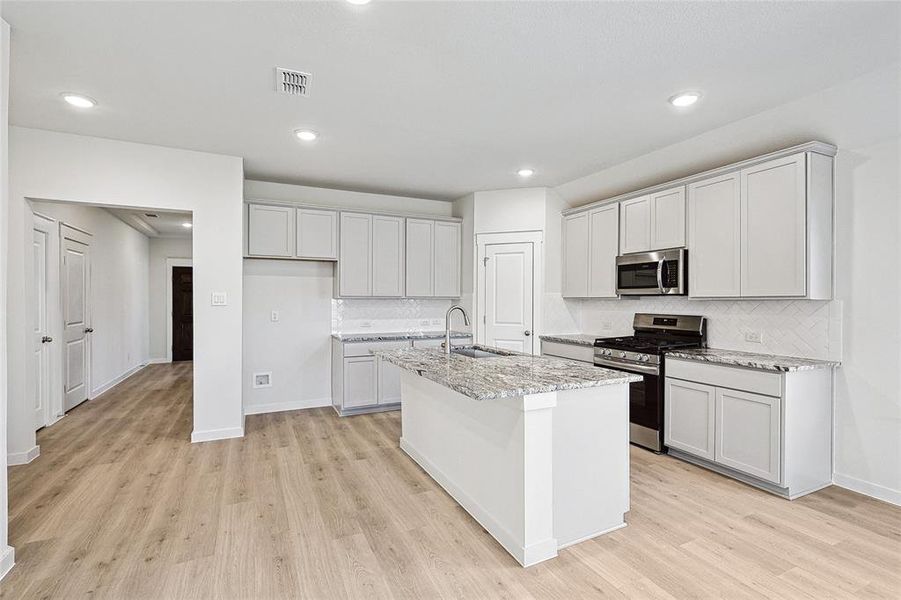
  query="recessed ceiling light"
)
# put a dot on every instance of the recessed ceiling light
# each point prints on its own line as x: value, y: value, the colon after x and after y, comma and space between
x: 525, y: 172
x: 359, y: 2
x: 306, y: 135
x: 684, y: 99
x: 187, y: 224
x: 79, y: 100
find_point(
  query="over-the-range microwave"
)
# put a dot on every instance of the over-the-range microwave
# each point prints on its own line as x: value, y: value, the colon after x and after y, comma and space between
x: 664, y: 272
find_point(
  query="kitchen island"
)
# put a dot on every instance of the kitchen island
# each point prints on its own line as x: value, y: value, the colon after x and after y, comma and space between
x: 536, y: 449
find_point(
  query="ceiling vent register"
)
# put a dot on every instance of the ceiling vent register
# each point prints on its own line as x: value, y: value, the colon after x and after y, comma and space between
x: 293, y: 83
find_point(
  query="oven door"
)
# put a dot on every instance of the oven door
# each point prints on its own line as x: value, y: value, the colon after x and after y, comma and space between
x: 645, y: 404
x: 651, y: 273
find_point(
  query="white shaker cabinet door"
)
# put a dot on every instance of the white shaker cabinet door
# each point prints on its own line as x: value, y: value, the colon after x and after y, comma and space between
x: 603, y: 247
x: 317, y: 234
x: 773, y: 228
x: 387, y: 256
x: 354, y: 259
x: 270, y: 230
x: 748, y: 433
x: 360, y: 381
x: 714, y: 237
x: 420, y: 257
x: 447, y: 259
x: 389, y: 382
x: 690, y: 417
x: 667, y: 209
x: 575, y: 255
x: 635, y: 225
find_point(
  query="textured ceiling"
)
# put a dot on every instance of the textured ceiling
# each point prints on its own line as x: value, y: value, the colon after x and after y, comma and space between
x: 429, y: 99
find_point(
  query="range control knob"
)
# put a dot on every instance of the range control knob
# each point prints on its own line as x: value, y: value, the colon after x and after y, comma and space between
x: 607, y: 352
x: 622, y: 355
x: 645, y: 358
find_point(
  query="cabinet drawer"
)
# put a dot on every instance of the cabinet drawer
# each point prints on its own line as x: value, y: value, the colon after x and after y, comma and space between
x: 572, y: 351
x: 367, y: 348
x: 736, y: 378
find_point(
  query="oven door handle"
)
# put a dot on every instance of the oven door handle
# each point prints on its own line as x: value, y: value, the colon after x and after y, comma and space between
x: 644, y: 369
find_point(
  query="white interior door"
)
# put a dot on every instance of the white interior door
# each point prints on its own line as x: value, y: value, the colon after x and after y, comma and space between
x: 509, y: 288
x: 40, y: 331
x: 75, y: 273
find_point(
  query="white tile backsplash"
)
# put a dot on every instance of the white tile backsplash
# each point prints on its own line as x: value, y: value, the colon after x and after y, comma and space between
x: 804, y: 328
x: 354, y: 315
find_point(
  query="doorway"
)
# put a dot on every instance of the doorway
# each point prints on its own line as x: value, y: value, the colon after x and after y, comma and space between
x: 182, y: 313
x: 509, y: 275
x: 42, y: 236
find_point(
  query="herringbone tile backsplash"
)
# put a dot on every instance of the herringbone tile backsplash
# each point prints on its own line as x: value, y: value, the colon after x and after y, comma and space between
x: 354, y: 315
x: 806, y: 328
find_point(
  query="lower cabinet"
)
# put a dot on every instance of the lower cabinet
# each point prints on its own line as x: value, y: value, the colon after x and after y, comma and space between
x: 360, y: 382
x: 689, y: 420
x: 766, y: 428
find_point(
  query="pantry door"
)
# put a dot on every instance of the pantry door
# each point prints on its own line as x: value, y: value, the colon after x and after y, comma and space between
x: 509, y: 291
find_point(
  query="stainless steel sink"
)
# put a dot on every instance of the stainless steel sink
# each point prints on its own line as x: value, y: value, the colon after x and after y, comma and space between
x: 477, y: 353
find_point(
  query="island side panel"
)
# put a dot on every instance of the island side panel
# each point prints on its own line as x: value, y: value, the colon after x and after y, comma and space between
x: 478, y: 451
x: 591, y: 462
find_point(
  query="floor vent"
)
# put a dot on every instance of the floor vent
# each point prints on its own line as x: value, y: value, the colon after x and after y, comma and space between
x: 293, y: 83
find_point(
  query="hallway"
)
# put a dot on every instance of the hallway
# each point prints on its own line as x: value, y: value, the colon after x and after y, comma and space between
x: 121, y: 505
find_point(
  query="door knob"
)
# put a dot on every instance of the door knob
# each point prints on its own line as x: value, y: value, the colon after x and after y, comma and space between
x: 527, y: 332
x: 89, y: 330
x: 46, y: 339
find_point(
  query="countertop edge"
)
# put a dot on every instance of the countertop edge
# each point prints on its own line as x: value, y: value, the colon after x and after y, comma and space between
x: 750, y: 360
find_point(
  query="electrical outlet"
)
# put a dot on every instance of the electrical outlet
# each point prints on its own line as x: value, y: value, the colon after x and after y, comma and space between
x: 424, y: 322
x: 366, y: 324
x: 262, y: 380
x: 273, y: 316
x: 755, y: 337
x: 437, y: 322
x: 219, y: 299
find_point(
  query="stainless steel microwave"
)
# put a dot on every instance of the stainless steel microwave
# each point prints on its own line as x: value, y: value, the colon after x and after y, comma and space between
x: 664, y: 272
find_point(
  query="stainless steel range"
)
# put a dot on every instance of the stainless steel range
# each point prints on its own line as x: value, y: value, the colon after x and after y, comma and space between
x: 643, y: 354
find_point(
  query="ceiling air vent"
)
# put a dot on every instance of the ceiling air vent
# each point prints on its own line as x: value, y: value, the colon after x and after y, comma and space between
x: 293, y: 83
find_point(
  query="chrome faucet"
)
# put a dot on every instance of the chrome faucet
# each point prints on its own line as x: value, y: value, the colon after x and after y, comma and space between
x: 447, y: 327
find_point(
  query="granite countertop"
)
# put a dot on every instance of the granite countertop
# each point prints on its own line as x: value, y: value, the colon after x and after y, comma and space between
x: 577, y: 339
x: 752, y: 360
x: 504, y: 376
x: 391, y: 336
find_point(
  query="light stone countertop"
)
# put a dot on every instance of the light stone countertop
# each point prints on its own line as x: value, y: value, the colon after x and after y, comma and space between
x: 577, y: 339
x: 505, y: 376
x: 752, y: 360
x: 391, y: 336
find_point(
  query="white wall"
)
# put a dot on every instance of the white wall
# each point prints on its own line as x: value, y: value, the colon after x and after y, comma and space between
x: 7, y: 555
x: 162, y: 249
x: 297, y: 348
x: 46, y: 165
x: 862, y: 118
x: 118, y: 302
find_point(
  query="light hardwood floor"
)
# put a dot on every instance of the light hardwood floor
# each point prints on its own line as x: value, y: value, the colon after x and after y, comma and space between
x: 308, y: 505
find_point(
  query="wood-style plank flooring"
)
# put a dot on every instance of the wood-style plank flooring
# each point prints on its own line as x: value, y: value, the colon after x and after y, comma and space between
x: 308, y: 505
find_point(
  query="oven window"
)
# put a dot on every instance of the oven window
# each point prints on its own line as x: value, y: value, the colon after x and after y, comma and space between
x: 637, y: 276
x: 645, y: 402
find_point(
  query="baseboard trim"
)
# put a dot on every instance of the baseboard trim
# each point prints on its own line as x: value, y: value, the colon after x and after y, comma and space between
x: 98, y: 391
x: 158, y: 361
x: 23, y: 458
x: 7, y: 560
x: 524, y: 555
x: 873, y: 490
x: 274, y: 407
x: 211, y: 435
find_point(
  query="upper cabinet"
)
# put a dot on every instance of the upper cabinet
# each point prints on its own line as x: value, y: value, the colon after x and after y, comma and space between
x: 433, y: 258
x: 270, y: 231
x: 591, y: 235
x: 764, y: 231
x: 653, y: 222
x: 760, y: 228
x: 387, y: 256
x: 317, y: 234
x: 371, y: 257
x: 277, y: 231
x: 714, y: 230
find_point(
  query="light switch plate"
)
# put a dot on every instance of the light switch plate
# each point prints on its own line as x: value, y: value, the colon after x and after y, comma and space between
x: 219, y: 299
x: 273, y: 316
x: 366, y: 324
